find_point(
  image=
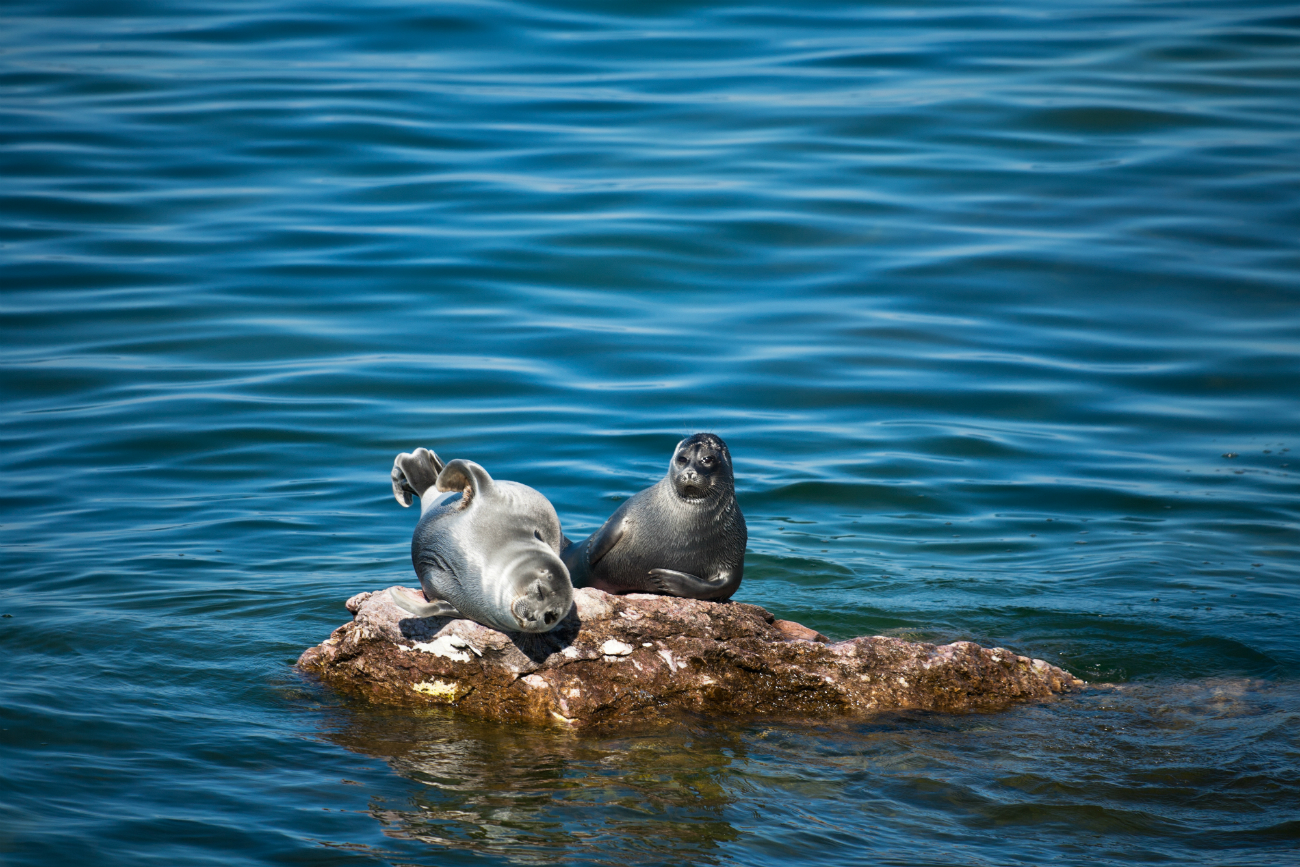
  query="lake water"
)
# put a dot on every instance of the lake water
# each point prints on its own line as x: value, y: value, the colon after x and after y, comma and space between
x: 997, y: 306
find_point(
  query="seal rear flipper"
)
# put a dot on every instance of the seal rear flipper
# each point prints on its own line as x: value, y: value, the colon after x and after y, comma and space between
x: 432, y: 608
x: 573, y: 556
x: 414, y: 473
x: 688, y: 586
x: 467, y: 477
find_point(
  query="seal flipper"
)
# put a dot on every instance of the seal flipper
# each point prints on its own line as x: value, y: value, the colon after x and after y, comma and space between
x: 604, y: 539
x: 433, y: 608
x: 689, y: 586
x: 414, y: 473
x: 574, y: 557
x: 467, y: 477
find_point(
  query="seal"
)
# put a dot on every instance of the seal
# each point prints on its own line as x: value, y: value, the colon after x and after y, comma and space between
x: 483, y: 549
x: 682, y: 536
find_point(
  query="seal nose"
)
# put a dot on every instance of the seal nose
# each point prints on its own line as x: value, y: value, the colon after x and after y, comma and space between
x: 690, y: 483
x: 543, y: 604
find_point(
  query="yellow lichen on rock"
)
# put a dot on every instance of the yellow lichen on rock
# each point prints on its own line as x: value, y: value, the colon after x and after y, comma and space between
x: 448, y: 691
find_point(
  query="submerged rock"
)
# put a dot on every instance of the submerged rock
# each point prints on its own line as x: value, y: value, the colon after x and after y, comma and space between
x: 619, y: 660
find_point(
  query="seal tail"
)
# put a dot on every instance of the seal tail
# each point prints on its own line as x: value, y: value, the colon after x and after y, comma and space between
x: 414, y: 473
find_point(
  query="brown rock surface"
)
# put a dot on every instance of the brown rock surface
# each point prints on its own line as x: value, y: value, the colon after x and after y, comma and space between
x: 618, y: 660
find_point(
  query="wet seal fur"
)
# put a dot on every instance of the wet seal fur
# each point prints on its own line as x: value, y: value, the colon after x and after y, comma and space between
x: 483, y: 549
x: 683, y: 536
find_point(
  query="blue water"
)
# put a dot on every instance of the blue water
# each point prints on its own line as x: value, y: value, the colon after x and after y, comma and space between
x: 998, y: 308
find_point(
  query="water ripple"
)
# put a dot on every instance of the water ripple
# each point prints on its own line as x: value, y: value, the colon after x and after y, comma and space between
x: 996, y: 308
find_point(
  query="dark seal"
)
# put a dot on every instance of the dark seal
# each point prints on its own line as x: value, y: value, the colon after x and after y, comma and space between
x: 683, y: 536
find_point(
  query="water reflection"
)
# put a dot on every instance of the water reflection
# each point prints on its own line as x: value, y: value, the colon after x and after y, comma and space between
x: 538, y: 796
x: 1128, y: 763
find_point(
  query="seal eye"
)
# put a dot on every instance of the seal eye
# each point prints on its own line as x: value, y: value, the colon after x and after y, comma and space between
x: 681, y: 459
x: 537, y: 534
x: 707, y: 460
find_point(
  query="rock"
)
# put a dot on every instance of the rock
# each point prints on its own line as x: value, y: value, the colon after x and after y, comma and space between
x: 643, y: 658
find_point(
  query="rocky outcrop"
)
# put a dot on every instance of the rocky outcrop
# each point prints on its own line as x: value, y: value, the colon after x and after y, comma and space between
x: 619, y: 660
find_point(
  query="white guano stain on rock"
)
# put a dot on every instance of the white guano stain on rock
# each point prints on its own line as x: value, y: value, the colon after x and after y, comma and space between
x: 614, y: 647
x: 452, y: 647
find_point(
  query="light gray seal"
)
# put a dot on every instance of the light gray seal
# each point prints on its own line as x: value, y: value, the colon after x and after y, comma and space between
x: 683, y: 536
x: 483, y: 549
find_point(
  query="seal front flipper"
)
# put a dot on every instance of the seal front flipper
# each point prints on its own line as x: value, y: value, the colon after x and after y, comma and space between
x: 604, y: 539
x: 433, y: 608
x: 414, y: 473
x: 580, y: 558
x: 689, y: 586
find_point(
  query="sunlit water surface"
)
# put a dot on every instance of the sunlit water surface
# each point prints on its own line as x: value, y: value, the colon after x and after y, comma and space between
x: 997, y: 307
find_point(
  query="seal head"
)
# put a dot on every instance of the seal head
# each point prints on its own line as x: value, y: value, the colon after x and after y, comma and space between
x: 484, y: 549
x: 701, y: 468
x: 684, y: 536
